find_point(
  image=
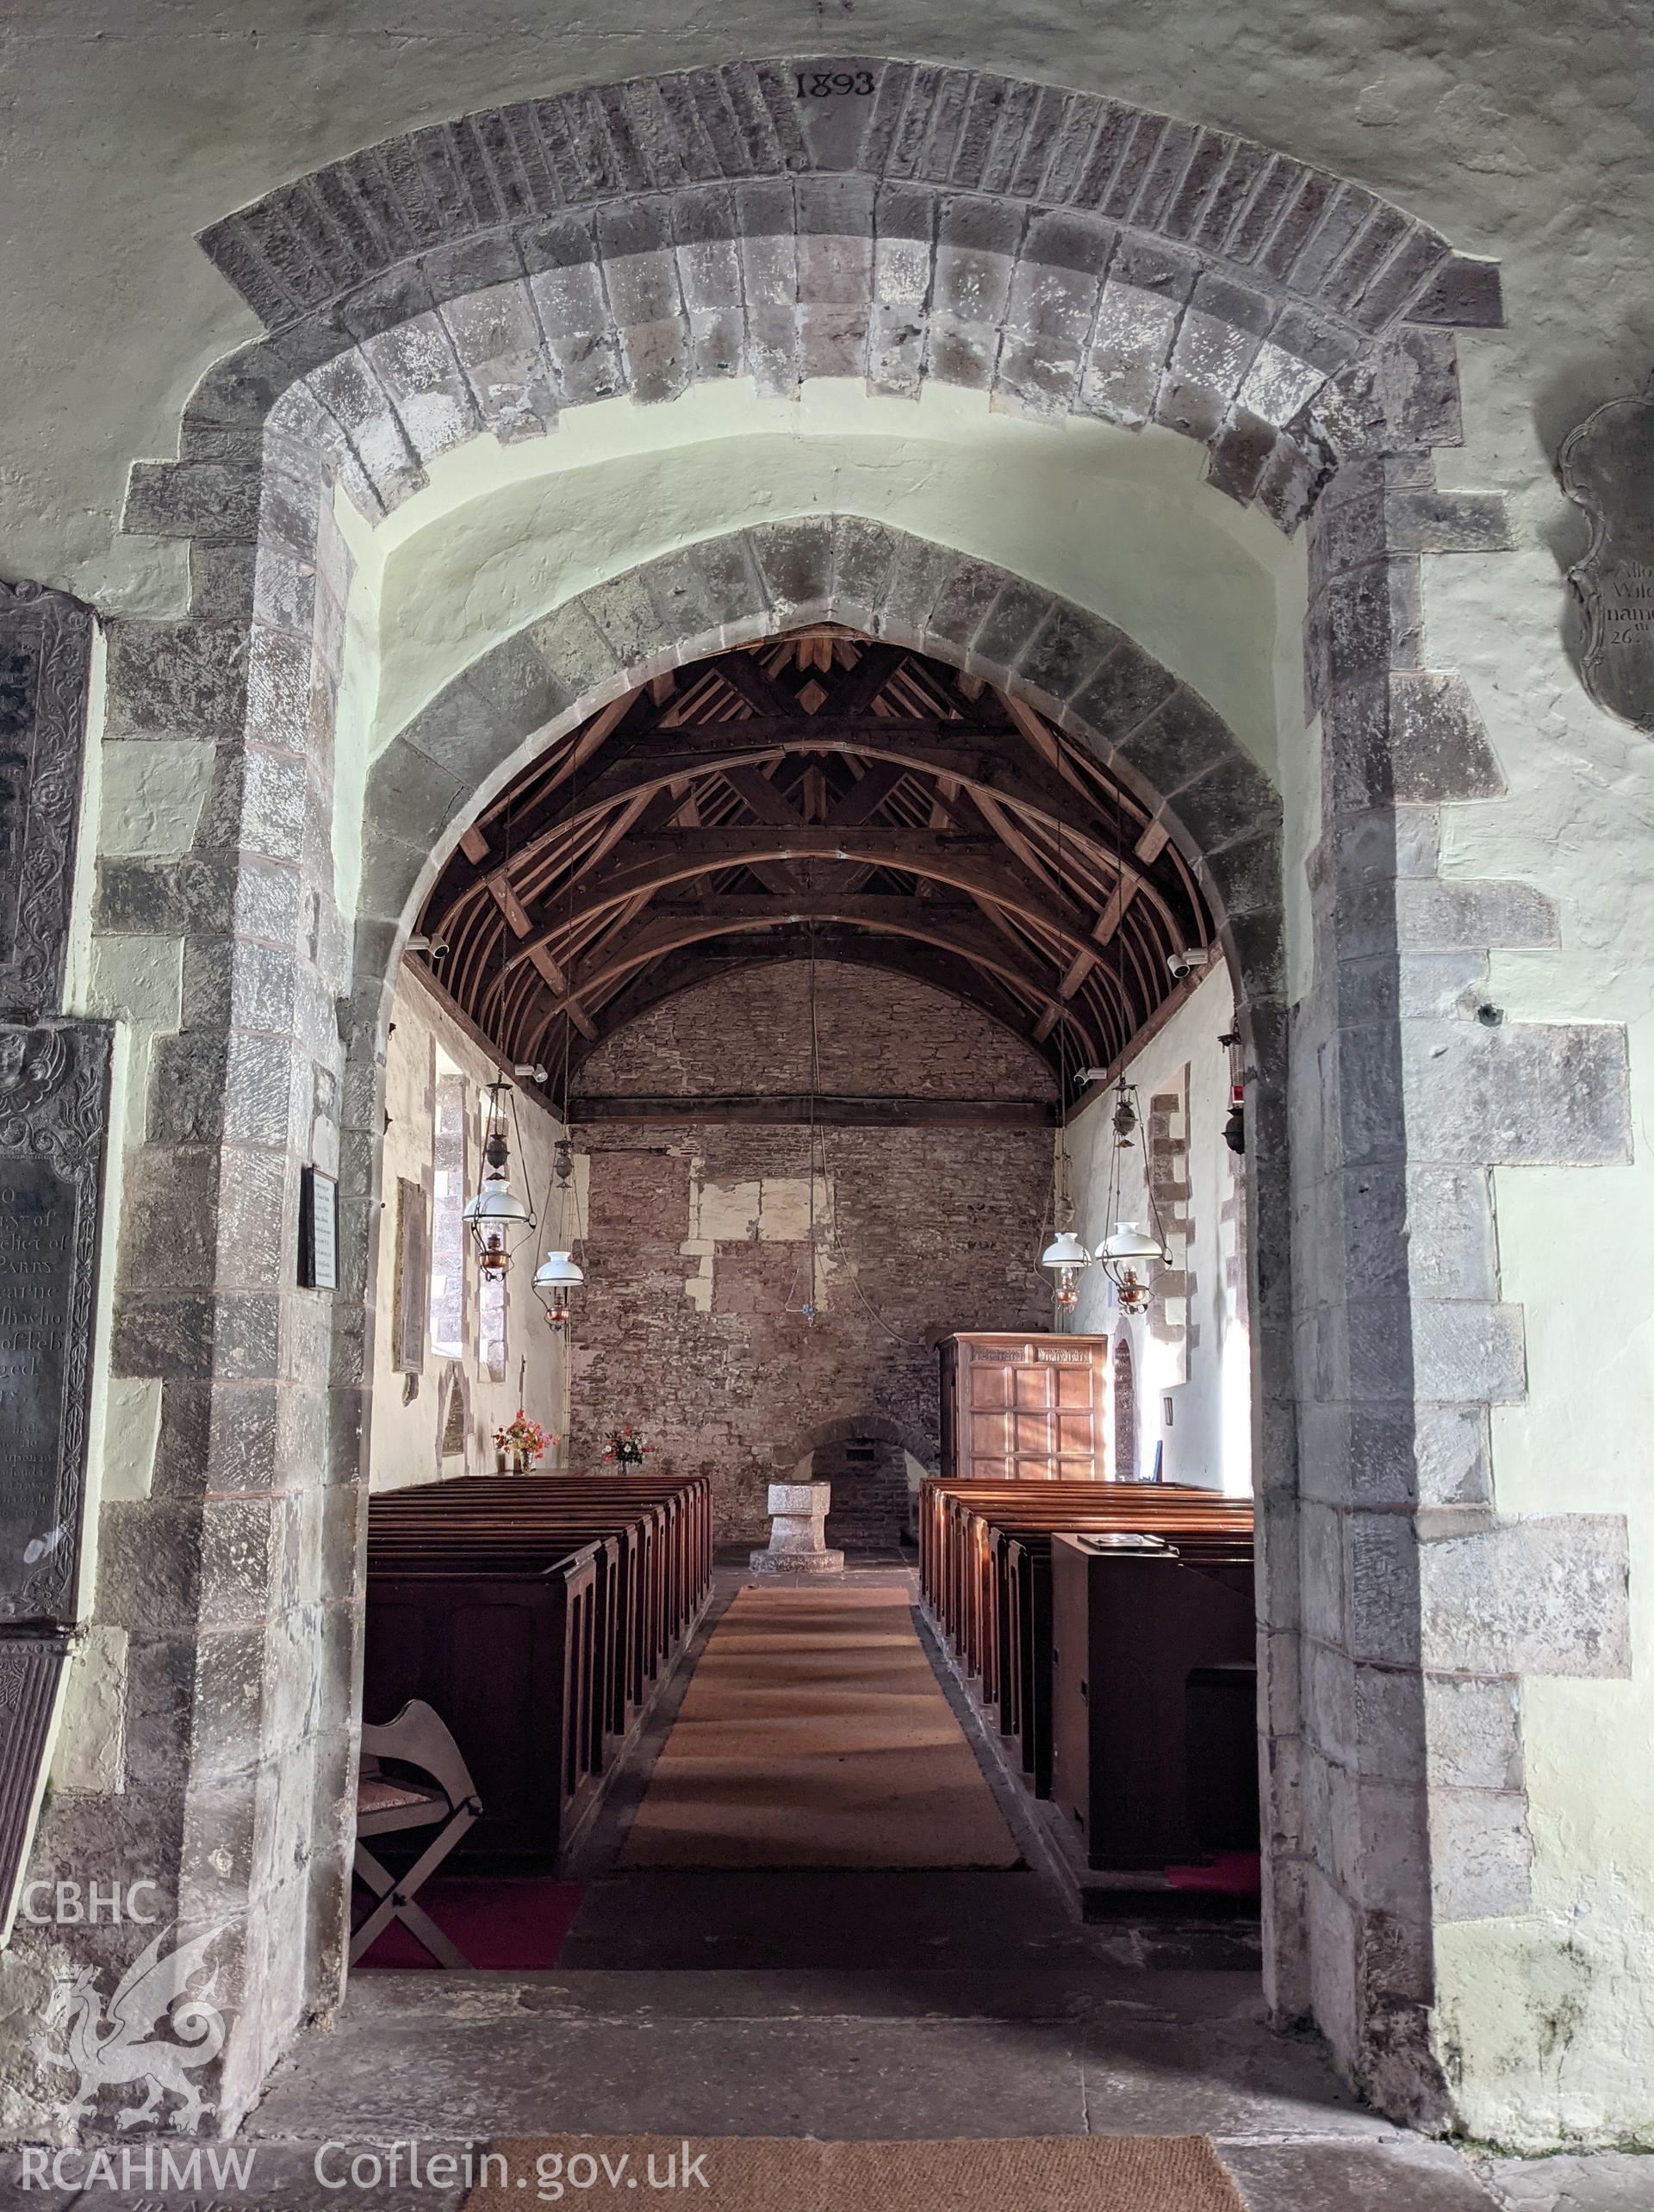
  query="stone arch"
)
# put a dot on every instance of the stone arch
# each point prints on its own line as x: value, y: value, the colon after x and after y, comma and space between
x: 441, y: 287
x: 880, y: 1428
x: 1153, y: 732
x: 1065, y: 251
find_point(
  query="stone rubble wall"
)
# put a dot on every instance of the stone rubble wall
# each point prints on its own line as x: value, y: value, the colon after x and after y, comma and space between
x: 699, y: 1232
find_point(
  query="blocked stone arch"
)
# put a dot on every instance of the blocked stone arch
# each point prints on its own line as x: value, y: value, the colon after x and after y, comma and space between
x: 878, y: 1428
x: 480, y: 278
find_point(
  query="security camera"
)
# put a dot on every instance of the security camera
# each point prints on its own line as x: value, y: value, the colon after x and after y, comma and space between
x: 1183, y: 963
x: 432, y: 947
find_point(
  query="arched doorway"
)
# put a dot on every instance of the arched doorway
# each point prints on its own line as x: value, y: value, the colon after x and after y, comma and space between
x: 811, y: 851
x: 868, y: 1478
x: 1293, y: 328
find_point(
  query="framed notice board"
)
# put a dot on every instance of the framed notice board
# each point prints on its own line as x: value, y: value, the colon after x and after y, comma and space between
x: 317, y: 1230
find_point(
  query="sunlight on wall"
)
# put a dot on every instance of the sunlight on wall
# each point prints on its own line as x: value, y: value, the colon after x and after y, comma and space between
x: 1120, y: 523
x: 1191, y: 1348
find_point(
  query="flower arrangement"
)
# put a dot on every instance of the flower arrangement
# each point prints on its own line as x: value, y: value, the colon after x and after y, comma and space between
x: 525, y: 1440
x: 626, y: 1446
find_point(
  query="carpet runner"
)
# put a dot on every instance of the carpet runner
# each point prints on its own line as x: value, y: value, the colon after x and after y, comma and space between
x: 1078, y: 2173
x: 814, y: 1733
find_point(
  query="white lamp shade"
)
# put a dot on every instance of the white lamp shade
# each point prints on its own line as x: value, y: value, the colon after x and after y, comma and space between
x: 1065, y: 1251
x: 496, y: 1206
x: 1130, y: 1241
x: 557, y: 1269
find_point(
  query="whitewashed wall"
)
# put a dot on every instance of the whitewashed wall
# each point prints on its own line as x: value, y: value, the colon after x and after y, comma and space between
x: 407, y: 1432
x: 1190, y: 1352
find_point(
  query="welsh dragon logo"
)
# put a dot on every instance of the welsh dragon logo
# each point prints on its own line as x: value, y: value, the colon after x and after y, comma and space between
x: 119, y: 2048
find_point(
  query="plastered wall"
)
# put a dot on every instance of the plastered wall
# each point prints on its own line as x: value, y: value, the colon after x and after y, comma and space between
x: 1189, y: 1352
x: 410, y: 1408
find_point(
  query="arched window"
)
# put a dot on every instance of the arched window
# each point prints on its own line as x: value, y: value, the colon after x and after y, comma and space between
x: 1124, y: 1412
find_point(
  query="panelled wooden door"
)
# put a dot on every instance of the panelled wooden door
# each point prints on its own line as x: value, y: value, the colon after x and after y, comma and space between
x: 1024, y: 1408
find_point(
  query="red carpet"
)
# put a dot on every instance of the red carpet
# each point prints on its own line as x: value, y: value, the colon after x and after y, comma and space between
x: 501, y: 1925
x: 1231, y: 1873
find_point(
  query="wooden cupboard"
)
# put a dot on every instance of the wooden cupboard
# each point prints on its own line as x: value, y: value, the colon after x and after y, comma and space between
x: 1024, y: 1408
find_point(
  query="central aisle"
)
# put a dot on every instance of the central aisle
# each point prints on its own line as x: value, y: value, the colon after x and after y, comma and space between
x: 832, y: 2004
x: 814, y: 1733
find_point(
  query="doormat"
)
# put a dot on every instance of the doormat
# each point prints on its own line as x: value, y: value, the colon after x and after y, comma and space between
x: 1066, y: 2173
x: 502, y: 1926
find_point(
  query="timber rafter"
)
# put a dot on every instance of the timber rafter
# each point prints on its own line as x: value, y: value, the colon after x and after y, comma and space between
x: 816, y: 792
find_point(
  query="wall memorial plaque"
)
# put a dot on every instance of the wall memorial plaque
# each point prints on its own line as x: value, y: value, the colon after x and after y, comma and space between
x: 45, y: 640
x: 411, y: 1295
x: 54, y: 1087
x: 317, y: 1230
x: 1607, y: 468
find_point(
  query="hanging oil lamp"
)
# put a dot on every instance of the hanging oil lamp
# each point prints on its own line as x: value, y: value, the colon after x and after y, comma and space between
x: 560, y: 1273
x: 1065, y: 1255
x: 1235, y: 1128
x: 496, y: 1217
x: 1133, y: 1249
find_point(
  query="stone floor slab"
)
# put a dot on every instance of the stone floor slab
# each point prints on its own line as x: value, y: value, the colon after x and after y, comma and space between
x: 672, y: 1919
x: 1213, y: 2078
x: 854, y: 2079
x: 1599, y: 2181
x: 980, y: 1994
x: 1401, y: 2174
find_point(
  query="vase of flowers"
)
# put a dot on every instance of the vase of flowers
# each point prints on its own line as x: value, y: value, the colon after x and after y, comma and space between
x: 626, y: 1446
x: 524, y: 1441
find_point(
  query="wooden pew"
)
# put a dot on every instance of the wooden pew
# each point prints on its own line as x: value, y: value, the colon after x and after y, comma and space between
x: 481, y: 1591
x: 505, y: 1653
x: 972, y: 1583
x: 674, y: 1520
x: 1025, y: 1701
x: 1130, y: 1629
x: 618, y: 1595
x: 961, y: 1580
x: 985, y: 1578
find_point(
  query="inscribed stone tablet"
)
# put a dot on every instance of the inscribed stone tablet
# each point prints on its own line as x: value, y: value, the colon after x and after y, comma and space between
x: 54, y: 1113
x: 1607, y: 468
x: 45, y: 649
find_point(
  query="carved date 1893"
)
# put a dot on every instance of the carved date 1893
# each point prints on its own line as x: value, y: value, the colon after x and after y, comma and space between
x: 823, y: 83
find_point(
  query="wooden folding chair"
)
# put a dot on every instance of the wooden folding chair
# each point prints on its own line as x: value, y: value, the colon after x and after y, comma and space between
x: 418, y: 1740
